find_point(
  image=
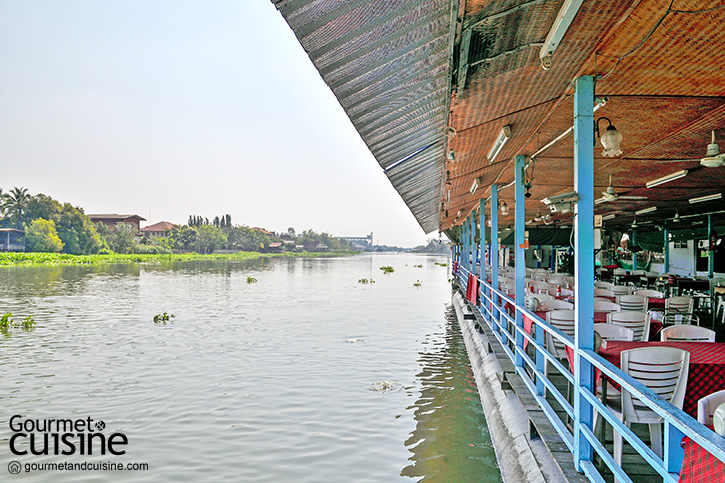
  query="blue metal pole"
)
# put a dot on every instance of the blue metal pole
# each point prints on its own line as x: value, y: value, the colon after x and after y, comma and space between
x: 482, y: 228
x: 494, y: 249
x: 710, y: 250
x: 583, y: 261
x: 519, y: 253
x: 464, y: 228
x: 667, y: 248
x: 634, y: 255
x: 474, y: 246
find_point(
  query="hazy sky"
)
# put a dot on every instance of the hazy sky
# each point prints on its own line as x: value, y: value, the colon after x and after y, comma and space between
x: 176, y: 107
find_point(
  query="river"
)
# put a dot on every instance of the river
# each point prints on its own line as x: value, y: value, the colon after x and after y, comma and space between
x: 269, y: 381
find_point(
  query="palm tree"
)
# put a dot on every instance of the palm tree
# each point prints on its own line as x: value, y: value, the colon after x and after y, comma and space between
x: 15, y: 203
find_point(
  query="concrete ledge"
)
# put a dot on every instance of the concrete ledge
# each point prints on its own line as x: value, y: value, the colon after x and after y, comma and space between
x: 520, y: 458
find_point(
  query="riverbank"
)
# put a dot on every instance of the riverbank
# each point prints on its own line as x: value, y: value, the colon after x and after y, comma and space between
x: 14, y: 259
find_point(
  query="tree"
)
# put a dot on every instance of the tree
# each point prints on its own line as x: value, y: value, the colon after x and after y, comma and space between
x: 210, y: 238
x: 43, y: 206
x: 15, y: 204
x: 41, y: 236
x: 291, y: 232
x: 122, y: 238
x: 77, y: 231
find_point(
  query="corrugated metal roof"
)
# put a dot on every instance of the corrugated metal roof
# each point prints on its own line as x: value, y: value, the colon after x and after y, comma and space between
x: 389, y: 64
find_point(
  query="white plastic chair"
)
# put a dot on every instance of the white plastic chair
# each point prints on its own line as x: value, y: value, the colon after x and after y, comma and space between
x: 639, y: 322
x: 687, y: 333
x: 606, y: 307
x: 567, y: 292
x: 681, y: 304
x: 633, y: 302
x: 645, y: 292
x: 707, y: 406
x: 603, y: 292
x: 564, y: 321
x: 614, y: 332
x: 556, y: 305
x: 621, y: 290
x: 601, y: 299
x: 604, y: 285
x: 664, y: 370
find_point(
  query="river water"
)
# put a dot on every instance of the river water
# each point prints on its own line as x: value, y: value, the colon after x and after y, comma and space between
x: 265, y: 382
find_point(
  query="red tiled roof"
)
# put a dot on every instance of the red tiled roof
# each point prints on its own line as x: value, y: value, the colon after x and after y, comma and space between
x: 114, y: 216
x: 160, y: 226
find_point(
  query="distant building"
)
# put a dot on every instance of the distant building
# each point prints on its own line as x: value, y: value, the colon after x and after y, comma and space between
x: 275, y: 247
x: 157, y: 229
x: 111, y: 220
x: 12, y: 240
x: 262, y: 230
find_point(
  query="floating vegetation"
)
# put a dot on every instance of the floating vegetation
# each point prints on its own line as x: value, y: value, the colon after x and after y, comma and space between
x: 165, y: 317
x: 6, y: 322
x: 385, y: 386
x: 387, y: 269
x: 251, y: 279
x: 440, y: 264
x: 352, y: 341
x: 418, y: 266
x: 417, y: 283
x: 365, y: 281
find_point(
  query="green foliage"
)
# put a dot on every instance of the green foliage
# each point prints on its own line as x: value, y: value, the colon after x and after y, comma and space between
x: 417, y: 283
x: 14, y: 206
x: 77, y: 232
x: 6, y: 322
x: 387, y: 269
x: 418, y: 266
x: 150, y: 250
x: 210, y: 238
x: 365, y: 281
x: 163, y: 318
x: 244, y: 238
x: 251, y: 279
x: 28, y: 322
x: 41, y: 236
x: 121, y: 238
x: 310, y: 239
x: 440, y: 264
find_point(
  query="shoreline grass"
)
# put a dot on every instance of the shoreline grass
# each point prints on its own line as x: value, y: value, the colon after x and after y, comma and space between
x: 20, y: 259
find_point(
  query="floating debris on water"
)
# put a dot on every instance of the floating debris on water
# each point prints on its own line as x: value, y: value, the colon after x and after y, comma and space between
x: 251, y: 279
x: 352, y: 341
x: 417, y: 283
x: 418, y: 266
x: 386, y: 386
x: 365, y: 281
x: 248, y: 395
x: 159, y: 318
x: 440, y: 264
x: 387, y: 269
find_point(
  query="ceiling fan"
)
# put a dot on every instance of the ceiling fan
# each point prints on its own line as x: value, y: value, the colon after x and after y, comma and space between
x: 713, y: 158
x: 611, y: 195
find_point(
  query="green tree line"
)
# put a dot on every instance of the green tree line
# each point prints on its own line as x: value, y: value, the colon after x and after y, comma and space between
x: 52, y: 226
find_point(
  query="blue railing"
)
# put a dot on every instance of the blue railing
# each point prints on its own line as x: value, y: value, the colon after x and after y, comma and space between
x: 494, y: 307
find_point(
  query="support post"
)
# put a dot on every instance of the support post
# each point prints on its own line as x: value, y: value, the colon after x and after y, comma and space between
x: 519, y: 253
x: 482, y: 237
x: 493, y: 252
x: 583, y: 261
x: 634, y: 254
x: 710, y: 250
x: 473, y: 242
x: 667, y: 247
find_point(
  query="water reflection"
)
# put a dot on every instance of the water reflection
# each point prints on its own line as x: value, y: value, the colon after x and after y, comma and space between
x: 451, y: 441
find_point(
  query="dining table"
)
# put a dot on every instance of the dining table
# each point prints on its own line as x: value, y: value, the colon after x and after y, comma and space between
x: 706, y: 373
x: 699, y: 465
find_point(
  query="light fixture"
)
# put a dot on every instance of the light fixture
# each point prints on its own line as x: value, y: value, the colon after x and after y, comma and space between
x: 634, y: 224
x: 611, y: 139
x: 713, y: 158
x: 701, y: 199
x: 608, y: 217
x: 527, y: 185
x: 667, y: 179
x: 503, y: 136
x: 504, y: 208
x: 476, y: 184
x: 451, y: 155
x: 676, y: 218
x: 558, y: 30
x: 646, y: 210
x: 460, y: 212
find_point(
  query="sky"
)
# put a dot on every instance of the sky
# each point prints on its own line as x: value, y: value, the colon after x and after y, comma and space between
x: 166, y: 108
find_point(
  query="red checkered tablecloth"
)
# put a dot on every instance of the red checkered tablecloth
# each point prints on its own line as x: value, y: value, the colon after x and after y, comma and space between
x: 707, y: 366
x: 700, y: 466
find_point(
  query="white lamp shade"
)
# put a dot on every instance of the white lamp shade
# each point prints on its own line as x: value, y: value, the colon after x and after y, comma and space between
x: 611, y: 140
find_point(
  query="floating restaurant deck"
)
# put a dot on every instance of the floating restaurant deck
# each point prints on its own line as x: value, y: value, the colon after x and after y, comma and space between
x: 495, y: 117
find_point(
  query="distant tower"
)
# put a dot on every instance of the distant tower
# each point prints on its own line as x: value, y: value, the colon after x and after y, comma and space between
x: 370, y: 237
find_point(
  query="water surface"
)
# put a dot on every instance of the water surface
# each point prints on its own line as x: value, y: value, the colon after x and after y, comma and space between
x: 265, y: 382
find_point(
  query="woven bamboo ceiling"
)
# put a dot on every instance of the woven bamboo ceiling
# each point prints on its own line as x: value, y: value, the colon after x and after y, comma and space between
x: 659, y: 64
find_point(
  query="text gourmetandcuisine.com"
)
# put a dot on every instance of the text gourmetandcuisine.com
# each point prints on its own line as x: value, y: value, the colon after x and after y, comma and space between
x: 63, y: 437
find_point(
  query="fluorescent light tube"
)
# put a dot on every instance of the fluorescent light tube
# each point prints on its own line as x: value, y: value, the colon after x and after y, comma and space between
x: 476, y: 184
x: 503, y: 136
x: 646, y: 210
x: 667, y: 179
x: 701, y: 199
x: 558, y: 30
x: 608, y: 217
